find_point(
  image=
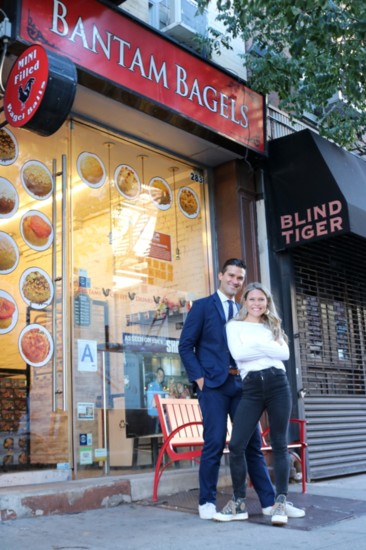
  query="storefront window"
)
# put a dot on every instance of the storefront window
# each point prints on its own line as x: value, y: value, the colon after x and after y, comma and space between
x: 103, y: 249
x: 139, y: 259
x: 33, y: 408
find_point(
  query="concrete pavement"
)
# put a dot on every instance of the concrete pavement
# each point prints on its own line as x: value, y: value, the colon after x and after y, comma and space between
x: 139, y: 525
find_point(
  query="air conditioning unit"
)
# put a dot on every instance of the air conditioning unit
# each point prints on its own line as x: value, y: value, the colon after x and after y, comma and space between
x: 117, y: 2
x: 182, y: 21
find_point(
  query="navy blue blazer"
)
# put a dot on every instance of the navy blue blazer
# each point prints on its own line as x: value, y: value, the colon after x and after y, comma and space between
x: 203, y: 344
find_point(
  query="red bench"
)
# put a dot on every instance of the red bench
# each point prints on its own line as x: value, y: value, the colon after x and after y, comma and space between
x: 182, y: 429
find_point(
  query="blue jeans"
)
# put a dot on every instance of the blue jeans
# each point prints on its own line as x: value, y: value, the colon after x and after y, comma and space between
x: 269, y: 390
x: 216, y: 404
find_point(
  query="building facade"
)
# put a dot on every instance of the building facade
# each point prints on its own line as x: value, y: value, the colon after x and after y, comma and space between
x: 126, y: 180
x: 113, y: 223
x: 316, y: 197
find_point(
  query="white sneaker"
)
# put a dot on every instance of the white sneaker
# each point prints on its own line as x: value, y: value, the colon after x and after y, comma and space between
x: 291, y: 511
x: 207, y: 510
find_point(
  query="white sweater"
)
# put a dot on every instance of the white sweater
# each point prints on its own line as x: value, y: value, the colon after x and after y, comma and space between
x: 253, y: 347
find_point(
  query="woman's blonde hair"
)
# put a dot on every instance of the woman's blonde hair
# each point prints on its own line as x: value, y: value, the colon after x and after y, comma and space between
x: 270, y: 317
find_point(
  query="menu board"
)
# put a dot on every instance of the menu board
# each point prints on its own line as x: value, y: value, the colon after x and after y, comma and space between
x: 82, y: 310
x: 26, y: 235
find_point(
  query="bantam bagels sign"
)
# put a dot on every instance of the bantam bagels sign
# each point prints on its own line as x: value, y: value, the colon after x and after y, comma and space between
x: 40, y: 91
x: 118, y: 50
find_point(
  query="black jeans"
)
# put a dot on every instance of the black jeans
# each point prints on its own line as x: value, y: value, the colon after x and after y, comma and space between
x: 216, y: 404
x: 269, y: 390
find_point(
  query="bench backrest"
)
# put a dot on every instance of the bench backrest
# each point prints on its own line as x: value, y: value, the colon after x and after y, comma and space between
x: 175, y: 413
x: 181, y: 425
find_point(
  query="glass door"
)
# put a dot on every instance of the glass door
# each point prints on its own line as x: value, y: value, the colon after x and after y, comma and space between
x: 139, y: 244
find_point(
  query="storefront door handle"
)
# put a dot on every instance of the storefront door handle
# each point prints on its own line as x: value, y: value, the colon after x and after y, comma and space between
x: 54, y: 277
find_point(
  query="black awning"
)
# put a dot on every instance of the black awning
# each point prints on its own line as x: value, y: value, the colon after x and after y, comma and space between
x: 317, y: 190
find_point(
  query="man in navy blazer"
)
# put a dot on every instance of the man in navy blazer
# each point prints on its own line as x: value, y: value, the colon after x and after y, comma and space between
x: 206, y: 358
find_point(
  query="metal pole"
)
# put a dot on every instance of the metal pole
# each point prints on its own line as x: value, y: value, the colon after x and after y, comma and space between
x: 54, y: 278
x: 65, y: 308
x: 105, y: 435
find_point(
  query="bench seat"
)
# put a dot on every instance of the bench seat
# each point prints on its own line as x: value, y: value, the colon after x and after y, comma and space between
x: 182, y: 430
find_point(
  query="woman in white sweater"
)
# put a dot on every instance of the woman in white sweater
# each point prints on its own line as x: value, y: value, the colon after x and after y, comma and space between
x: 259, y: 346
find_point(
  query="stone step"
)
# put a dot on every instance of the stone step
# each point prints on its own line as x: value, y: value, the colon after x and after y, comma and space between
x: 74, y: 496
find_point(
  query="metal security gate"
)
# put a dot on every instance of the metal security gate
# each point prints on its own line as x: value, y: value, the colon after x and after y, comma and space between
x: 330, y: 286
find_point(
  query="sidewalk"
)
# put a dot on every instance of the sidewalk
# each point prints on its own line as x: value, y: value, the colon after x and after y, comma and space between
x: 142, y: 524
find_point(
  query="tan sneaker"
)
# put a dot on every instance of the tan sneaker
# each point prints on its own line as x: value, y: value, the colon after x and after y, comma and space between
x: 291, y: 511
x: 279, y: 515
x: 235, y: 510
